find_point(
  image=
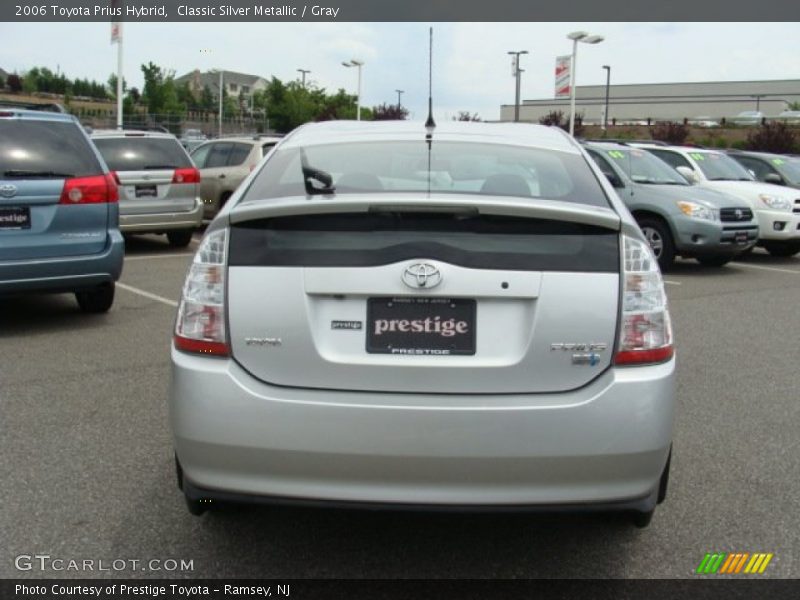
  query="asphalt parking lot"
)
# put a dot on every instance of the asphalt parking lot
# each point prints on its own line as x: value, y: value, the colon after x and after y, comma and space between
x: 87, y: 471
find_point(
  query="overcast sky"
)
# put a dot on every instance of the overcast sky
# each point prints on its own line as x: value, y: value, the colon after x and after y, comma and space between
x: 472, y: 70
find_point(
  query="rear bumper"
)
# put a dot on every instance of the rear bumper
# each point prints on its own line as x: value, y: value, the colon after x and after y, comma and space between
x: 64, y: 274
x: 160, y: 222
x: 602, y: 446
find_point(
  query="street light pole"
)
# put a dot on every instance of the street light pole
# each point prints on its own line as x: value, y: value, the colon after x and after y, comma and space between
x: 608, y: 85
x: 221, y: 94
x: 304, y: 73
x: 399, y: 94
x: 359, y: 64
x: 517, y: 76
x: 577, y: 36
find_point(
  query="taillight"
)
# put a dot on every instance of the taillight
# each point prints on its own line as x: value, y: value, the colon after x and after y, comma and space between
x: 89, y: 190
x: 200, y: 326
x: 645, y: 332
x: 191, y: 175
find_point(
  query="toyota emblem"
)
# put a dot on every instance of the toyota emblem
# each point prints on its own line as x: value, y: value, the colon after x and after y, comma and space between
x: 739, y: 214
x: 422, y: 275
x: 8, y: 191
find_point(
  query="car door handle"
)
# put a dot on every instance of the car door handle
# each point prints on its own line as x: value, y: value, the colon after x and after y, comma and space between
x: 222, y: 176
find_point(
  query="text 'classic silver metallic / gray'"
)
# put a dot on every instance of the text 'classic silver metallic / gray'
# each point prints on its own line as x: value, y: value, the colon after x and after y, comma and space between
x: 469, y: 320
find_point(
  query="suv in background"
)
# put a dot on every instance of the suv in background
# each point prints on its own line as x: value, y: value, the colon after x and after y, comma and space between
x: 158, y: 183
x: 224, y: 163
x: 676, y: 218
x: 58, y: 210
x: 771, y: 168
x: 778, y: 226
x: 192, y: 138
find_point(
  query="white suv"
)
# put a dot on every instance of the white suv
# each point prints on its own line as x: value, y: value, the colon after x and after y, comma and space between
x: 776, y: 207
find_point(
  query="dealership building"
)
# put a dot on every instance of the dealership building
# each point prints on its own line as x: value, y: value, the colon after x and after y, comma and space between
x: 667, y: 101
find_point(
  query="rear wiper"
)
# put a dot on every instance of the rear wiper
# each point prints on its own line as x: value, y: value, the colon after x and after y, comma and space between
x: 153, y: 167
x: 25, y: 173
x: 311, y: 174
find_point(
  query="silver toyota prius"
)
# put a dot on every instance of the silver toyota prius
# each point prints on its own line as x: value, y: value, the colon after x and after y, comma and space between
x: 461, y: 316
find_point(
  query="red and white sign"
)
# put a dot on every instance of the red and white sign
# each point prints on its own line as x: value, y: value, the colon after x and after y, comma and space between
x: 563, y: 64
x: 116, y: 32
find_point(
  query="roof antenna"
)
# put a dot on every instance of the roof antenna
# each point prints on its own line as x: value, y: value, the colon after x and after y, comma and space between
x: 430, y: 124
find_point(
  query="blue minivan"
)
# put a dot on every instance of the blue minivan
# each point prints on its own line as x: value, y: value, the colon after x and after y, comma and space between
x: 59, y: 218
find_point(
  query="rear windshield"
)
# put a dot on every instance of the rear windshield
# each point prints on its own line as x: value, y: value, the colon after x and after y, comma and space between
x: 445, y: 168
x: 142, y: 153
x: 36, y: 148
x: 471, y: 240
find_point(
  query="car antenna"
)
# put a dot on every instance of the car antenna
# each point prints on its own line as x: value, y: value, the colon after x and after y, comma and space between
x: 430, y: 124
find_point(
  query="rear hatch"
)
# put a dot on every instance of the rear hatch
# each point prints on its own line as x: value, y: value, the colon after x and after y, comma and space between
x: 472, y: 297
x: 37, y: 156
x: 149, y: 169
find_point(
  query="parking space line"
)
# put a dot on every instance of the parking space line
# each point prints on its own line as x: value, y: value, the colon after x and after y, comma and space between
x: 146, y: 294
x: 668, y: 282
x: 777, y: 269
x: 146, y: 257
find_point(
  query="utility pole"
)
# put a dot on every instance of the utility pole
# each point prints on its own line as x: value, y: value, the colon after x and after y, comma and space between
x: 304, y: 73
x: 517, y: 73
x: 399, y: 94
x: 608, y: 85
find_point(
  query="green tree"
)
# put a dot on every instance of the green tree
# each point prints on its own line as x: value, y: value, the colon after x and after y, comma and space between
x: 389, y: 112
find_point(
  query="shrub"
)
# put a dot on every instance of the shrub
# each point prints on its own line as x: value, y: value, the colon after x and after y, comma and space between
x: 772, y: 137
x: 672, y: 133
x: 556, y: 118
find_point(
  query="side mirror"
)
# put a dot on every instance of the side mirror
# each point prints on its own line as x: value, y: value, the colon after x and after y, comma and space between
x: 774, y: 178
x: 688, y: 173
x: 614, y: 180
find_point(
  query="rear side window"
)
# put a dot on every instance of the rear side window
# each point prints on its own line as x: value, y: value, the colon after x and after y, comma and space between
x: 218, y: 155
x: 239, y: 153
x: 471, y: 240
x: 445, y: 168
x: 132, y: 153
x: 45, y: 146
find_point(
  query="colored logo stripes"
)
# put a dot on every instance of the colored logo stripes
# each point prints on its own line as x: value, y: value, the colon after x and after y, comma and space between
x: 734, y: 562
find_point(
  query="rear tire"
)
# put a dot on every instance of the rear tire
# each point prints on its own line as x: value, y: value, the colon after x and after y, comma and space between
x: 663, y: 483
x: 714, y: 261
x: 98, y: 300
x: 642, y: 519
x: 180, y: 238
x: 782, y: 249
x: 196, y: 507
x: 659, y: 237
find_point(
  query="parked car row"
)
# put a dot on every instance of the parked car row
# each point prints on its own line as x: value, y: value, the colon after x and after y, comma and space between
x: 68, y: 195
x: 714, y: 209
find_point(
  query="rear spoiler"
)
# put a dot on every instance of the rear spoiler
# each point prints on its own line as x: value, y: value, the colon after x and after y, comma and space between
x: 501, y: 206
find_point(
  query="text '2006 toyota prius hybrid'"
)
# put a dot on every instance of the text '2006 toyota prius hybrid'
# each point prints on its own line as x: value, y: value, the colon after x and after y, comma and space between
x: 467, y: 319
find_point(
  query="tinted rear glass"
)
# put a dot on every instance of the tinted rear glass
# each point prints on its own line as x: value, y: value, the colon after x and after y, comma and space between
x: 238, y: 153
x: 142, y: 153
x: 448, y: 168
x: 470, y: 240
x: 39, y: 146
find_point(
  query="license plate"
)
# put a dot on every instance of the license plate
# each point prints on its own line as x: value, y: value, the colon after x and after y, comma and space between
x: 741, y: 237
x: 421, y: 326
x: 146, y: 191
x: 15, y: 217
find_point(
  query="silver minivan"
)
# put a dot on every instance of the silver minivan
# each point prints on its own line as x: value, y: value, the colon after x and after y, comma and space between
x: 469, y: 318
x: 159, y: 186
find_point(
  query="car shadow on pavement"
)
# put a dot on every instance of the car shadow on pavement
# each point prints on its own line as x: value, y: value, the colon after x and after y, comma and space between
x: 154, y: 244
x: 30, y: 314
